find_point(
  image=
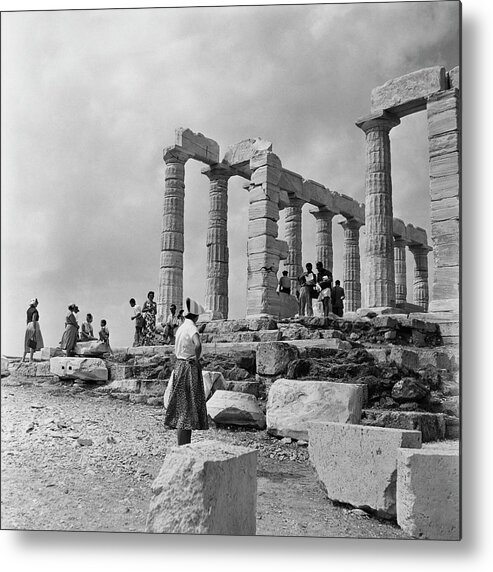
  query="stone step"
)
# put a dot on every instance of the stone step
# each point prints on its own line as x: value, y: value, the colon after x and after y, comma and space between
x: 431, y: 425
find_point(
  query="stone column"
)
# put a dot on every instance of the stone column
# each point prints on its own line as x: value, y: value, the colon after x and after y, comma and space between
x: 352, y: 267
x: 378, y: 209
x: 171, y: 263
x: 216, y: 295
x: 420, y: 285
x: 263, y: 247
x: 400, y: 270
x: 325, y: 253
x: 294, y: 262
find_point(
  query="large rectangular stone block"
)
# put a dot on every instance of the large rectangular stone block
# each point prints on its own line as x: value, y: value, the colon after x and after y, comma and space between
x: 428, y: 489
x: 205, y: 488
x: 49, y: 352
x: 89, y: 369
x: 358, y: 464
x: 200, y: 147
x: 408, y: 93
x: 292, y: 404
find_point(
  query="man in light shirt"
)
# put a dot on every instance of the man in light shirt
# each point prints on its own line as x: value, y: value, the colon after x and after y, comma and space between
x: 139, y: 321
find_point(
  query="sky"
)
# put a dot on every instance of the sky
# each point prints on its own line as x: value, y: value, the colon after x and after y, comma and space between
x: 90, y: 98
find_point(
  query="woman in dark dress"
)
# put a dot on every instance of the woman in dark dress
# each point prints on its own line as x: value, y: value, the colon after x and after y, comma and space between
x: 149, y: 312
x: 70, y: 335
x: 33, y: 340
x: 185, y: 398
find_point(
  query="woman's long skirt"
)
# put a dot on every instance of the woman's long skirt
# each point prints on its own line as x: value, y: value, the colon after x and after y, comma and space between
x: 69, y: 338
x: 33, y: 331
x: 186, y: 407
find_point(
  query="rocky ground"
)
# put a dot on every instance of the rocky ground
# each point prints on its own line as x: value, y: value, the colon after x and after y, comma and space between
x: 75, y: 459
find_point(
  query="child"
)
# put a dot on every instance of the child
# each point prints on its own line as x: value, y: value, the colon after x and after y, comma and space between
x: 104, y: 335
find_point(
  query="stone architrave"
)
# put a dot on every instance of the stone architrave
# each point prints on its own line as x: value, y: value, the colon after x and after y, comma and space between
x: 420, y: 285
x: 172, y: 236
x: 444, y: 140
x: 209, y: 487
x: 378, y: 210
x: 358, y: 464
x: 400, y: 270
x: 428, y: 493
x: 352, y: 266
x: 216, y: 295
x: 293, y: 403
x: 197, y: 146
x: 325, y: 253
x: 263, y: 214
x: 294, y: 262
x: 85, y: 369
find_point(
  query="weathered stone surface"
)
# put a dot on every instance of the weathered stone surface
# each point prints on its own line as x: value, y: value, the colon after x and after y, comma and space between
x: 404, y: 357
x: 48, y: 352
x: 43, y: 369
x: 90, y: 349
x: 358, y: 464
x: 428, y: 489
x: 205, y: 488
x: 273, y: 357
x: 232, y: 408
x: 292, y: 404
x: 408, y: 93
x: 125, y: 385
x: 454, y: 77
x: 409, y: 389
x: 213, y: 380
x: 5, y: 367
x: 90, y: 369
x: 431, y: 425
x: 200, y: 147
x: 241, y: 153
x: 151, y: 387
x: 250, y: 387
x: 288, y: 305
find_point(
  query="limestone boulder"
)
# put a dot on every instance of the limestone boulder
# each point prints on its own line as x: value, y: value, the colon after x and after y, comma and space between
x: 358, y: 465
x: 410, y: 389
x: 49, y: 352
x: 234, y: 408
x: 428, y: 493
x: 208, y: 487
x: 288, y: 305
x: 273, y: 358
x: 431, y: 425
x: 293, y: 404
x: 213, y: 381
x: 87, y: 369
x: 5, y: 367
x: 90, y: 349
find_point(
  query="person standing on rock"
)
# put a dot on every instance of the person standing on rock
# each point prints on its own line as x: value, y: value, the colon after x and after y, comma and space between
x: 69, y: 338
x: 33, y: 340
x: 149, y: 312
x: 171, y: 325
x: 337, y: 299
x: 139, y: 321
x: 307, y: 283
x: 284, y: 283
x: 185, y: 398
x: 324, y: 282
x: 86, y: 330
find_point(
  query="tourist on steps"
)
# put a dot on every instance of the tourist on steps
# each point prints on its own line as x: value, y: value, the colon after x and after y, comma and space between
x: 139, y: 321
x: 185, y: 398
x: 69, y: 337
x: 324, y: 284
x: 33, y: 340
x: 284, y: 283
x: 149, y: 312
x: 337, y: 299
x: 104, y: 336
x: 307, y: 284
x: 86, y: 330
x: 171, y: 325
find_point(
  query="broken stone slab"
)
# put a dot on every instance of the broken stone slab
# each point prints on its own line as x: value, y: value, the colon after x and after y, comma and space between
x: 292, y: 404
x: 91, y: 349
x: 208, y: 487
x: 408, y: 93
x: 357, y: 464
x: 250, y: 387
x: 431, y: 425
x: 273, y: 358
x: 197, y: 145
x: 213, y: 380
x: 428, y: 489
x: 233, y: 408
x: 49, y: 352
x: 88, y: 369
x: 404, y: 357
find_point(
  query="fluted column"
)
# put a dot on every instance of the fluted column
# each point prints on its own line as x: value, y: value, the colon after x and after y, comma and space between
x: 400, y: 270
x: 325, y: 252
x: 172, y: 240
x: 293, y: 228
x: 420, y: 285
x: 216, y: 294
x: 378, y: 209
x: 352, y: 267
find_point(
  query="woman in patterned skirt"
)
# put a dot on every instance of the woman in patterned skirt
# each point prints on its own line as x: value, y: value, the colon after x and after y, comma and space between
x: 149, y: 312
x: 33, y: 340
x: 71, y: 333
x: 186, y: 409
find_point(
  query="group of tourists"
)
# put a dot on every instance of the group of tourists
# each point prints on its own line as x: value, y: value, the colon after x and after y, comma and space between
x: 71, y: 335
x: 315, y: 285
x: 147, y: 332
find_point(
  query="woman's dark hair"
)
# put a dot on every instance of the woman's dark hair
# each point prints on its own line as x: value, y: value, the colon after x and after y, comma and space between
x: 191, y: 316
x: 71, y: 307
x: 89, y: 316
x: 132, y: 301
x: 103, y: 322
x: 149, y: 293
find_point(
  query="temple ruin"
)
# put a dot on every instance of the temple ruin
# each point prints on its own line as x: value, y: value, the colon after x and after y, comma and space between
x: 273, y: 188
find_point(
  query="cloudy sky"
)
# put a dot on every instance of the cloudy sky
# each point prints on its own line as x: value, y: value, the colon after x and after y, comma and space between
x: 91, y: 98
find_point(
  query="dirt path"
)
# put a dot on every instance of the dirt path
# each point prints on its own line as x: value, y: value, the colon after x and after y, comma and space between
x: 76, y: 460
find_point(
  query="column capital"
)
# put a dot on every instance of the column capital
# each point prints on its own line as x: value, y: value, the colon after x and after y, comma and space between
x: 420, y: 249
x: 378, y: 120
x: 175, y: 154
x: 217, y: 171
x: 323, y: 213
x: 295, y: 201
x: 351, y: 224
x: 400, y: 241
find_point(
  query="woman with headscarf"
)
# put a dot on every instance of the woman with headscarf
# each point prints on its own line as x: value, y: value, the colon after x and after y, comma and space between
x: 69, y: 338
x: 33, y: 340
x: 185, y: 407
x: 149, y: 312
